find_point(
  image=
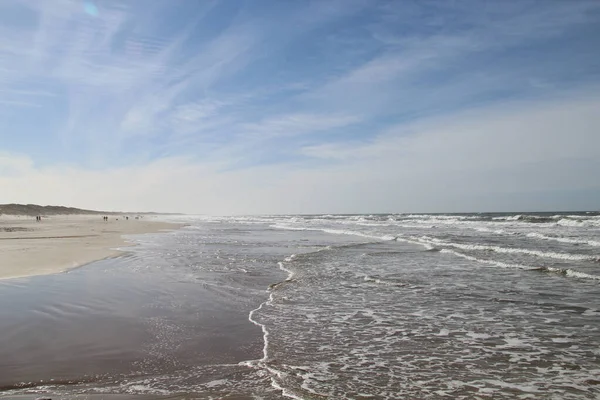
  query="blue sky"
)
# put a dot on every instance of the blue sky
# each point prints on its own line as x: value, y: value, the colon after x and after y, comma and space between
x: 229, y: 107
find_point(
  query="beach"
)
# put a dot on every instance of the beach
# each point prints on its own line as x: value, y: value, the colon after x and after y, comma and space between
x: 59, y: 243
x: 384, y: 306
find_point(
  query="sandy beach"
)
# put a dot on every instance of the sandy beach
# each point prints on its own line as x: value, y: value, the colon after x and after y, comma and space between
x: 60, y: 243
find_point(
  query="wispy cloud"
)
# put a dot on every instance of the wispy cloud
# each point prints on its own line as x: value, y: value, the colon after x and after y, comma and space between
x: 447, y: 54
x: 296, y: 124
x: 18, y: 103
x: 473, y: 161
x: 217, y: 88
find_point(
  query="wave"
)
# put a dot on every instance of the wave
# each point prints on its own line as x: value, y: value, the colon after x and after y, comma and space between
x: 356, y: 233
x: 575, y: 216
x: 467, y: 219
x: 507, y: 250
x: 335, y: 232
x: 433, y: 242
x: 536, y: 219
x: 441, y: 217
x: 506, y: 218
x: 563, y: 271
x: 579, y: 222
x: 489, y: 262
x: 478, y: 222
x: 536, y: 235
x: 495, y: 231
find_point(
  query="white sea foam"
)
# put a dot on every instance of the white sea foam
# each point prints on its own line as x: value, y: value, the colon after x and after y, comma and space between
x: 507, y: 250
x: 494, y: 231
x: 217, y: 382
x: 380, y: 281
x: 590, y: 222
x: 262, y: 362
x: 441, y: 217
x: 489, y: 262
x: 508, y: 218
x: 145, y: 389
x: 574, y: 274
x: 335, y: 232
x: 387, y: 328
x: 583, y: 241
x: 288, y: 259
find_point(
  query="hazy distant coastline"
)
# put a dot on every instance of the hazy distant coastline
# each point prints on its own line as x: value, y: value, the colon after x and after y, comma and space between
x: 35, y: 209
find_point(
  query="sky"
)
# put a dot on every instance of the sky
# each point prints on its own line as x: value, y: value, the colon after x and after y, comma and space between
x: 277, y: 107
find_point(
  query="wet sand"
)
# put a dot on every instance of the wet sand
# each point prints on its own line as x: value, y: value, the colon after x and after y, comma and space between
x: 168, y: 318
x: 119, y: 324
x: 60, y: 243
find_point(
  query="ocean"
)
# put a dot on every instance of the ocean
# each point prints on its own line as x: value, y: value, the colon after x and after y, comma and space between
x: 386, y: 306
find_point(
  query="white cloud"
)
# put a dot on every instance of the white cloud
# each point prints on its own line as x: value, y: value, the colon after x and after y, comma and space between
x: 198, y: 116
x: 19, y: 103
x: 297, y: 124
x: 121, y: 79
x: 14, y: 165
x: 467, y: 162
x: 524, y: 131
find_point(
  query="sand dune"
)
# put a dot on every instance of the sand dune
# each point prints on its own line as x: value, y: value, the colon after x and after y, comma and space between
x: 59, y: 243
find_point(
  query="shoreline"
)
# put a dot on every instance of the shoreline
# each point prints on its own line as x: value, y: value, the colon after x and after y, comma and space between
x: 62, y: 243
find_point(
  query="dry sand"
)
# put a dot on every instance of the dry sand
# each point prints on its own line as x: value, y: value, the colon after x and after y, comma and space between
x: 60, y: 243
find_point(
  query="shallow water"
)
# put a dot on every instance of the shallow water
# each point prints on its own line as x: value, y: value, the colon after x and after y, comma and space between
x: 381, y: 307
